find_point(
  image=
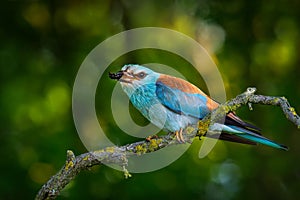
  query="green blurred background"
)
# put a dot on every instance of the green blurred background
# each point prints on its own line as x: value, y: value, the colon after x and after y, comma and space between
x: 43, y: 43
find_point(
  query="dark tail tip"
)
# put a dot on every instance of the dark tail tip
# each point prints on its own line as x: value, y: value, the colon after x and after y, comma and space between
x: 283, y: 147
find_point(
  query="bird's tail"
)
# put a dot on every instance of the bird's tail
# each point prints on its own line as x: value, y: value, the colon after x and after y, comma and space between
x: 251, y: 136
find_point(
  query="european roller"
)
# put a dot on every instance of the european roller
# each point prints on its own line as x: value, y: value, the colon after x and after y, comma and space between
x: 172, y: 104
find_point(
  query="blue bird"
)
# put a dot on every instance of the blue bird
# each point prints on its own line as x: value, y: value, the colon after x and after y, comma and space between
x: 172, y: 104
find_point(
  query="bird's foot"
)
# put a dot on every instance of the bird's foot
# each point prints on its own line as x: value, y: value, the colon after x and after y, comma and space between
x: 179, y: 136
x: 151, y: 137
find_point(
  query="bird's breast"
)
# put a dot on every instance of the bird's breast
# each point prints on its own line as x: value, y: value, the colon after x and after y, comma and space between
x: 145, y: 100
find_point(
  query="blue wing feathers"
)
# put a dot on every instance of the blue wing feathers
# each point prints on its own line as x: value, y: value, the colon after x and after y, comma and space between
x: 180, y: 102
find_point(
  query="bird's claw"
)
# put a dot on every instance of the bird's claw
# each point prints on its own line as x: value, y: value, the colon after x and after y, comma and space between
x: 179, y: 136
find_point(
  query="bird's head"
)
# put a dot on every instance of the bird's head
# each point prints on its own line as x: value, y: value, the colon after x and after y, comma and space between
x: 133, y: 76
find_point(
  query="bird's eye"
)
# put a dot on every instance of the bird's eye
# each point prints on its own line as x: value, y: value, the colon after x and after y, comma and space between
x: 141, y: 75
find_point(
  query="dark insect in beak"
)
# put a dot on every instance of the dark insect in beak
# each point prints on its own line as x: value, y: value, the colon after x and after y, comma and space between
x: 116, y: 76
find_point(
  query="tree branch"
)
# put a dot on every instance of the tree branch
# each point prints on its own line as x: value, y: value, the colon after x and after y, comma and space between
x: 119, y: 155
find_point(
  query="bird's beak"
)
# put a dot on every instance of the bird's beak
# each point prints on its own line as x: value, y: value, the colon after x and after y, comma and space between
x: 122, y: 76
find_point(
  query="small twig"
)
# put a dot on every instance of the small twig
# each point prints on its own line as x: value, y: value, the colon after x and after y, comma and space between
x: 250, y: 97
x: 289, y: 111
x: 119, y: 155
